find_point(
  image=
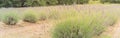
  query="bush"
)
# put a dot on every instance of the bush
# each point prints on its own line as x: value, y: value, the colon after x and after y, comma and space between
x: 77, y: 29
x: 67, y: 29
x: 30, y: 17
x: 10, y: 19
x: 84, y: 26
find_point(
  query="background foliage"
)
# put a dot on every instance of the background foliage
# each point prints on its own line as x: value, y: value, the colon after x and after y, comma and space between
x: 31, y: 3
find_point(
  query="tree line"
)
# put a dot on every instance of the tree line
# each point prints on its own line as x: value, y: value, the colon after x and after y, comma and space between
x: 110, y: 1
x: 33, y: 3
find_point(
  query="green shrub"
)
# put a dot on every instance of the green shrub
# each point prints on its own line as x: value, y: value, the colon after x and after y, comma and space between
x: 77, y: 29
x: 31, y: 17
x: 10, y: 19
x: 67, y: 29
x: 84, y: 26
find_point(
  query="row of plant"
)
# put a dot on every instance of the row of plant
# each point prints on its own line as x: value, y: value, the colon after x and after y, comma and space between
x: 13, y: 18
x: 70, y: 24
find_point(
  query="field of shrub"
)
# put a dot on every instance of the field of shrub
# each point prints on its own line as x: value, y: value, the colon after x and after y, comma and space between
x: 73, y: 21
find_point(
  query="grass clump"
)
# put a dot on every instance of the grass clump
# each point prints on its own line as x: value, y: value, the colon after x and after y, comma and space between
x: 82, y: 26
x: 31, y: 17
x: 76, y: 28
x: 67, y: 29
x: 10, y: 19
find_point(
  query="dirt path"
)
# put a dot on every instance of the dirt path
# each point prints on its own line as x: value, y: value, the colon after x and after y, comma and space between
x: 30, y: 31
x: 113, y: 31
x: 116, y: 30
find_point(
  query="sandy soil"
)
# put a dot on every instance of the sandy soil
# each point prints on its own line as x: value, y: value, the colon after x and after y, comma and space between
x: 116, y: 30
x: 26, y: 30
x: 113, y: 31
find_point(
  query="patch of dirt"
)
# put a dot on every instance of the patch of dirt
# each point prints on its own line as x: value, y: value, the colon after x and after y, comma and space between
x: 26, y: 30
x: 116, y: 30
x: 113, y: 31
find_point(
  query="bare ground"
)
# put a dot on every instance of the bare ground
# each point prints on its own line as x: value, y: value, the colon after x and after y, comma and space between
x: 113, y: 31
x: 26, y: 30
x: 116, y: 31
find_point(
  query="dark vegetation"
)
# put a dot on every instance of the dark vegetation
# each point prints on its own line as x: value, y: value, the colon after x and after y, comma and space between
x: 34, y: 3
